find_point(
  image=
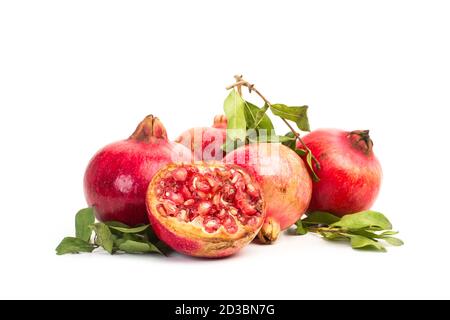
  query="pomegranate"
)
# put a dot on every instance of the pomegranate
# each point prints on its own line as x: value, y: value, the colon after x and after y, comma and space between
x: 205, y: 143
x: 285, y: 182
x: 116, y: 179
x: 350, y: 174
x: 205, y: 209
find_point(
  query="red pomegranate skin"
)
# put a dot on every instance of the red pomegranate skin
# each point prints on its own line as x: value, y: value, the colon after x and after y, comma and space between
x: 350, y: 174
x: 117, y: 177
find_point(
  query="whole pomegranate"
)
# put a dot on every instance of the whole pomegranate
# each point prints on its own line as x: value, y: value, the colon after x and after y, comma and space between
x: 206, y: 142
x: 350, y: 174
x: 205, y: 209
x: 117, y: 177
x: 285, y: 182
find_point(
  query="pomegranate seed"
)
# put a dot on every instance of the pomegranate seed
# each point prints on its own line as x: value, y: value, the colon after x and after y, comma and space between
x: 203, y: 196
x: 183, y: 216
x: 201, y: 185
x: 204, y: 207
x: 252, y: 221
x: 189, y: 202
x: 170, y: 208
x: 233, y: 211
x: 212, y: 182
x: 236, y: 177
x: 216, y: 199
x: 161, y: 210
x: 222, y: 214
x: 180, y: 174
x: 246, y: 207
x: 232, y: 228
x: 176, y: 198
x: 212, y: 225
x: 185, y: 192
x: 251, y: 190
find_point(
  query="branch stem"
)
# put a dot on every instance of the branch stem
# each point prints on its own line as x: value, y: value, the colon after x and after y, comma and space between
x: 240, y: 82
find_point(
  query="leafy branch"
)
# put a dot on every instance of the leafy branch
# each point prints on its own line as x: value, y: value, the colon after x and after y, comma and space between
x: 244, y: 115
x: 111, y: 236
x: 364, y: 230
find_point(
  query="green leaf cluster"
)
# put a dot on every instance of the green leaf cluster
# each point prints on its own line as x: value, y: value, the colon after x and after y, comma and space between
x: 113, y: 237
x: 363, y: 230
x: 248, y: 123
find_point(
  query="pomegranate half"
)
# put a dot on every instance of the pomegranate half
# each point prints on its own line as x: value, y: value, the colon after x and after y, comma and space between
x: 205, y: 209
x: 350, y: 174
x: 285, y: 182
x: 117, y: 177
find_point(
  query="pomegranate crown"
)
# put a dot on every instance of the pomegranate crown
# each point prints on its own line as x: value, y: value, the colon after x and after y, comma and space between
x: 149, y: 129
x: 362, y: 141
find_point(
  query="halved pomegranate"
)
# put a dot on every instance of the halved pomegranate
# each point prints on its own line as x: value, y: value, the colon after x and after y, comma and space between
x: 205, y: 209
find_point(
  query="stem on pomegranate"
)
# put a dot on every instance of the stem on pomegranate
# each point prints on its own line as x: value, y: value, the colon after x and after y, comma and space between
x: 149, y: 129
x: 240, y: 82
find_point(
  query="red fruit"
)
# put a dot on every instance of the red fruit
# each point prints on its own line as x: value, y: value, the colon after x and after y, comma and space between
x: 117, y: 177
x: 350, y: 174
x: 216, y: 217
x: 285, y: 182
x: 205, y: 143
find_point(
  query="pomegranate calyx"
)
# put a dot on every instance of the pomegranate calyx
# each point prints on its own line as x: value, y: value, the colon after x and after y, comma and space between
x: 149, y: 129
x: 361, y: 140
x: 220, y: 121
x: 269, y: 232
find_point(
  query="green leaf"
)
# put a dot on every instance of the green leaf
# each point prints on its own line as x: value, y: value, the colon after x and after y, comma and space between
x: 131, y: 246
x: 393, y: 241
x: 262, y: 120
x: 234, y: 107
x: 370, y: 220
x: 388, y: 233
x: 257, y: 119
x: 333, y: 236
x: 292, y: 142
x: 83, y: 219
x: 364, y: 233
x: 320, y: 217
x: 360, y: 242
x: 311, y: 166
x: 284, y: 139
x: 73, y: 245
x: 297, y: 114
x: 131, y: 230
x: 104, y: 236
x: 302, y: 153
x: 301, y: 230
x: 116, y: 224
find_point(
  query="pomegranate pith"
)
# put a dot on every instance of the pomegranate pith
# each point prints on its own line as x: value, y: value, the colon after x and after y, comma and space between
x: 350, y: 174
x: 205, y: 209
x: 116, y: 179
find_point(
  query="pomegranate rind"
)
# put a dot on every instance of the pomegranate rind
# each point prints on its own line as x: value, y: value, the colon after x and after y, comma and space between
x: 189, y: 237
x: 350, y: 176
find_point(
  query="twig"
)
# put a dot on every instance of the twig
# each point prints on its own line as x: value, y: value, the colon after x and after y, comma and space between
x: 240, y: 82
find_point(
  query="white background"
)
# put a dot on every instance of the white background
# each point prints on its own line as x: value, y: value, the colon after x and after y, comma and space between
x: 76, y: 75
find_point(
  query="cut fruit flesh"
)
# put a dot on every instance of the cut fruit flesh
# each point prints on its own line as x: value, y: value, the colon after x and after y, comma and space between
x: 212, y: 196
